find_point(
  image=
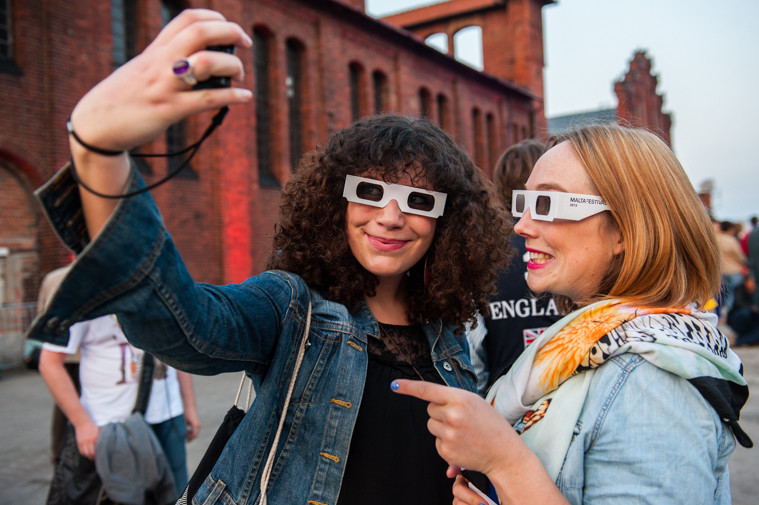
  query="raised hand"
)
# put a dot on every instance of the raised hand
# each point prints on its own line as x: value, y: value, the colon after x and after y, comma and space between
x: 145, y: 96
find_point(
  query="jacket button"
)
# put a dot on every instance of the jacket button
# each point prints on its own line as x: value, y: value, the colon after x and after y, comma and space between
x: 447, y: 366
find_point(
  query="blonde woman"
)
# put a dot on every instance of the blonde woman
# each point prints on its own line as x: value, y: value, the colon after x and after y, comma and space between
x: 634, y: 396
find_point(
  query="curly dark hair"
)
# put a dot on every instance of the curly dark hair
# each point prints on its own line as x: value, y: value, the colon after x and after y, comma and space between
x: 471, y: 240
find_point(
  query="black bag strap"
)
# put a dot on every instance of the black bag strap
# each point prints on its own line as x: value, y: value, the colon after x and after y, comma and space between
x: 146, y: 383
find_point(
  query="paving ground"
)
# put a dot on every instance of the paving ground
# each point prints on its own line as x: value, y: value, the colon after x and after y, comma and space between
x: 25, y: 407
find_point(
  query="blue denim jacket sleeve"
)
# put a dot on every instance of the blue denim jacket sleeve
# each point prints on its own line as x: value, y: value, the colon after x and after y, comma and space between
x: 233, y: 327
x: 646, y: 436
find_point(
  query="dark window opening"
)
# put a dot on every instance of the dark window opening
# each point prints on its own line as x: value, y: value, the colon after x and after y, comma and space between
x: 380, y: 92
x: 356, y: 89
x: 442, y: 113
x: 477, y: 131
x: 425, y: 102
x: 294, y: 83
x: 7, y: 65
x: 176, y: 134
x: 123, y: 31
x: 492, y: 144
x: 6, y: 37
x: 262, y: 71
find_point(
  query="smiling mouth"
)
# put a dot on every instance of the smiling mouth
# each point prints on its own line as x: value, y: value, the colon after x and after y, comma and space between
x: 539, y: 258
x: 386, y: 244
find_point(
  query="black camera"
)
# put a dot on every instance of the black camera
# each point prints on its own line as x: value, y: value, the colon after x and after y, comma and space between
x: 214, y: 81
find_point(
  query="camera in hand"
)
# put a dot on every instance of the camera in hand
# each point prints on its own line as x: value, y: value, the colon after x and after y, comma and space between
x: 215, y: 81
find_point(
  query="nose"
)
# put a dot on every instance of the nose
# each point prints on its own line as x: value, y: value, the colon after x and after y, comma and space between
x: 525, y: 225
x: 391, y: 215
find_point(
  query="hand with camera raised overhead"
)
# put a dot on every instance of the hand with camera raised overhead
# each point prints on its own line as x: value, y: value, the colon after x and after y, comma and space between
x: 154, y: 90
x: 146, y: 95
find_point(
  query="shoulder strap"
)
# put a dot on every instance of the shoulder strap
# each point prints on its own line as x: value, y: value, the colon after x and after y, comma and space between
x: 146, y: 383
x: 299, y: 360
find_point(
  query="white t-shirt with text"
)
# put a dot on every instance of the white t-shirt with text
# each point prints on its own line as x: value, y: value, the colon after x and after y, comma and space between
x: 109, y: 374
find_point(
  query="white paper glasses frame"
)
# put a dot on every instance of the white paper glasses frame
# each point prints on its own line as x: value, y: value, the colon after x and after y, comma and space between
x: 550, y: 205
x: 410, y: 200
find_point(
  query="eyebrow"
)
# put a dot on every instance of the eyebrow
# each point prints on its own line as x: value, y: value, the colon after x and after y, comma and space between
x: 550, y: 186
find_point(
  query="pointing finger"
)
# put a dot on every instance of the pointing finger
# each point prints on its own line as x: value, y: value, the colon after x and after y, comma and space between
x: 426, y: 391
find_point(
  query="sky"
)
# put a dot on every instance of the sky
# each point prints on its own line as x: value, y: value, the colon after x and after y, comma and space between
x: 706, y: 56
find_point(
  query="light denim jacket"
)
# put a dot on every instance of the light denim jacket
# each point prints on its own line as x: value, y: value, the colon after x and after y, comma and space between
x: 133, y: 270
x: 624, y: 442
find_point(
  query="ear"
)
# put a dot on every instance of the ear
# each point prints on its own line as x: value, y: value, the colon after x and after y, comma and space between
x: 617, y: 240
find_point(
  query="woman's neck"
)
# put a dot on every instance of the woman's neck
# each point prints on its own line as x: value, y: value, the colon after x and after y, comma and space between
x: 388, y: 305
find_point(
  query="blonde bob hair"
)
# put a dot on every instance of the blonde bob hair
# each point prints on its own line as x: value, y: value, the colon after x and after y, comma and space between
x: 671, y: 257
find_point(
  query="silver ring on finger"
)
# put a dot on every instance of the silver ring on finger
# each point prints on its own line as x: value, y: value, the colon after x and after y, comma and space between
x: 183, y: 70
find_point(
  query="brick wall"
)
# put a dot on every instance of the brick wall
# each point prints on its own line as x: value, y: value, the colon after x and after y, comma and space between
x: 222, y: 220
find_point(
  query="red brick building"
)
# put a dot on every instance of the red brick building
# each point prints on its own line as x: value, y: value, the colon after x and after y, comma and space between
x: 638, y: 104
x: 316, y: 65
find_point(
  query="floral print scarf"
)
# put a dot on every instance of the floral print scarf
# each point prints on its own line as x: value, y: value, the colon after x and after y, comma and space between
x: 564, y: 357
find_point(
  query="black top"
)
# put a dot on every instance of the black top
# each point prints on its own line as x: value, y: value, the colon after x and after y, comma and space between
x: 392, y: 456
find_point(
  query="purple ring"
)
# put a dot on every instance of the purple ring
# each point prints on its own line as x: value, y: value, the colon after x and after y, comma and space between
x: 183, y: 70
x: 180, y: 67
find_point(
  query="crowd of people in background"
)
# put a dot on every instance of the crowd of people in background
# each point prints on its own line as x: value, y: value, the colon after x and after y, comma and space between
x: 739, y: 264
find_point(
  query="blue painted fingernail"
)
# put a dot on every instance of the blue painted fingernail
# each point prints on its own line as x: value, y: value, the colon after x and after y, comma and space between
x: 394, y: 386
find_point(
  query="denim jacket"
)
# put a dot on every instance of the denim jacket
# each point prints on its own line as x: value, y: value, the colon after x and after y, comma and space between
x: 624, y: 442
x: 133, y: 269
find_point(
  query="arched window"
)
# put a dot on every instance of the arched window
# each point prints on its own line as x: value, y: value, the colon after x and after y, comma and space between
x: 479, y: 152
x: 123, y: 30
x: 381, y: 91
x: 262, y: 46
x: 439, y: 41
x: 443, y: 115
x: 8, y: 64
x: 425, y: 102
x: 356, y: 71
x: 513, y: 133
x: 294, y: 82
x: 467, y: 45
x: 176, y: 134
x: 6, y: 33
x: 492, y: 147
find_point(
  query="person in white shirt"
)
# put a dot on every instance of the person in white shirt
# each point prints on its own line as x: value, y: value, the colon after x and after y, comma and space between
x: 109, y: 374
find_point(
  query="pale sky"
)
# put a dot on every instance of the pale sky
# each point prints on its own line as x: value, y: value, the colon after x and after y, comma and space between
x: 706, y: 55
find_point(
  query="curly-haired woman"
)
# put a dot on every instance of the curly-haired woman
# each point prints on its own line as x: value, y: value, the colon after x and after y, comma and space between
x: 389, y: 241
